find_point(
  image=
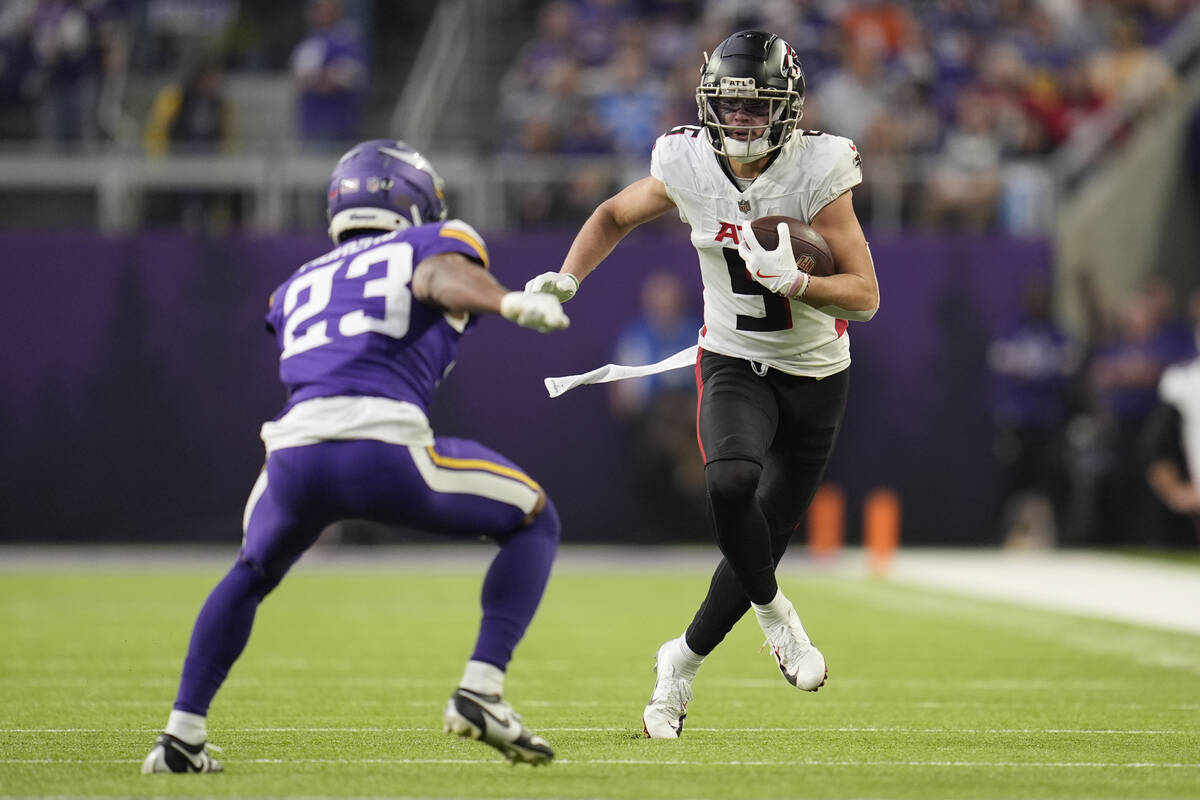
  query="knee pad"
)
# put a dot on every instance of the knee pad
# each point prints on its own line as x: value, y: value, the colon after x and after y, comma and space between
x: 732, y: 481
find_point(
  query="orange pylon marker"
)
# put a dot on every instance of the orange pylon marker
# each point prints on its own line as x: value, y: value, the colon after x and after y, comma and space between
x: 881, y: 528
x: 827, y: 521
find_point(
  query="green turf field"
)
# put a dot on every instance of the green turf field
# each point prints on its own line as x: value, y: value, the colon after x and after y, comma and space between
x: 341, y: 689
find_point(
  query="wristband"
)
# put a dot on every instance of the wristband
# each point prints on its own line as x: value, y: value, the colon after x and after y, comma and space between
x: 799, y: 286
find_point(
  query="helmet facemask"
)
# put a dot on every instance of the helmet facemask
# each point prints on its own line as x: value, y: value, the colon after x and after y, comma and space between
x: 778, y: 109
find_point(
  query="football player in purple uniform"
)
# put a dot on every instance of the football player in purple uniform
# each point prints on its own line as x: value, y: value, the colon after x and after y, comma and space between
x: 365, y: 334
x: 774, y: 351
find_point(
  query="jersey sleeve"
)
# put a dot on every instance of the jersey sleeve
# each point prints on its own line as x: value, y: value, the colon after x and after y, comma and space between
x: 273, y: 317
x: 669, y: 158
x: 1172, y: 386
x: 844, y: 170
x: 452, y: 236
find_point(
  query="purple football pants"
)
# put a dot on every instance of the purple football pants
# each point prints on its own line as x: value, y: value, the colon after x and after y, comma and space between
x: 457, y: 488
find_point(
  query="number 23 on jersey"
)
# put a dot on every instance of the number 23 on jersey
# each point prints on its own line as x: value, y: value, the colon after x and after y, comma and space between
x: 321, y: 283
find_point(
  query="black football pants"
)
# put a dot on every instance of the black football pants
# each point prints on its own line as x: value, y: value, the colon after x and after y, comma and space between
x: 765, y: 440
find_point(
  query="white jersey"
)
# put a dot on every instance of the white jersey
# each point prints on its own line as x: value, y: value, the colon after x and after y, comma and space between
x: 1180, y: 386
x: 741, y: 317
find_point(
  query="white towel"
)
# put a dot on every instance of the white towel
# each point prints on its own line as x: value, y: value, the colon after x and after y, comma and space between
x: 616, y: 372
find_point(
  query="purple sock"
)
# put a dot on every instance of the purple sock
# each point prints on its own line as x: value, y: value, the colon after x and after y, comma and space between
x: 513, y: 587
x: 219, y: 636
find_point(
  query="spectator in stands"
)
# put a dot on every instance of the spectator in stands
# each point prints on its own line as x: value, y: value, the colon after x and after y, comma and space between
x: 553, y: 42
x: 330, y: 71
x: 193, y: 116
x: 172, y: 34
x: 1057, y: 101
x: 1171, y: 448
x: 850, y: 98
x: 68, y: 43
x: 1123, y: 379
x: 16, y: 64
x: 630, y: 104
x: 1128, y: 71
x: 1031, y: 363
x: 888, y: 24
x: 657, y: 413
x: 964, y: 186
x: 597, y: 25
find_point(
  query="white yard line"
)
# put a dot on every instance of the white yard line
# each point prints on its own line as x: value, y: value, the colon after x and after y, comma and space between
x: 664, y: 763
x: 618, y: 729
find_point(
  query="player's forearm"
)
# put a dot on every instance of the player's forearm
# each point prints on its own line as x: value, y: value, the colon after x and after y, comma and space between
x: 844, y: 295
x: 598, y: 237
x: 1172, y: 488
x: 452, y: 282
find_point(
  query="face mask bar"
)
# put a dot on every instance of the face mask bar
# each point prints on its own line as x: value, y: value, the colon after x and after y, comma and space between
x: 769, y: 105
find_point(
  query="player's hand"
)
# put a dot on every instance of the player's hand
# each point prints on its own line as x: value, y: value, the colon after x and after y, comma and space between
x: 774, y: 269
x: 538, y: 310
x: 560, y: 285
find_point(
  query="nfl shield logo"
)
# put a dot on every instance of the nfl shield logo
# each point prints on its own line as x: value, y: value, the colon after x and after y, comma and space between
x: 744, y: 206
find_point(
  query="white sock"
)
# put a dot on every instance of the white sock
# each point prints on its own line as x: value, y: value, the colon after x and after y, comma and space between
x: 483, y: 678
x: 687, y: 662
x: 191, y: 728
x: 774, y: 612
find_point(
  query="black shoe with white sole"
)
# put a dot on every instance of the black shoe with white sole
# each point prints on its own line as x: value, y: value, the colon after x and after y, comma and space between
x: 489, y: 719
x: 171, y: 754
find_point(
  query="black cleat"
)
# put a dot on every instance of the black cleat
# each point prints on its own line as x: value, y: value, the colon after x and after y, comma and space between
x: 171, y: 754
x: 489, y: 719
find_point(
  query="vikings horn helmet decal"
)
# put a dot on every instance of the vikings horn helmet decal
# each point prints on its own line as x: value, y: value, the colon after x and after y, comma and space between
x: 383, y: 184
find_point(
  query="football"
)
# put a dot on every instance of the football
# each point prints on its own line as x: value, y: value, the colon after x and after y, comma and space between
x: 809, y: 247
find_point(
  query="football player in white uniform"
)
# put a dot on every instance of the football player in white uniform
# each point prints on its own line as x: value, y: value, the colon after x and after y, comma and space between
x: 774, y: 353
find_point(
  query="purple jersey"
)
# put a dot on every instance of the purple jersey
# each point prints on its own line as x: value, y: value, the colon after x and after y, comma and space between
x: 348, y: 325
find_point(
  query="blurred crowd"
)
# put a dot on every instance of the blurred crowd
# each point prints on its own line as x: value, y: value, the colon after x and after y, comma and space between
x: 949, y: 100
x: 67, y: 66
x: 1075, y: 437
x: 970, y: 86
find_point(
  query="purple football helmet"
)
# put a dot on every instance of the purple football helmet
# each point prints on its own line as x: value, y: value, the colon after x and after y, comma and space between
x: 383, y: 184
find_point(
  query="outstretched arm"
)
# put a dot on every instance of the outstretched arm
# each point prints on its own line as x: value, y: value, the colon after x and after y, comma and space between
x: 612, y: 220
x: 455, y: 283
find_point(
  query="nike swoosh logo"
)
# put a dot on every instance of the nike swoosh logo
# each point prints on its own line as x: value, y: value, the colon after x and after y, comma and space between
x: 790, y: 677
x: 195, y: 761
x: 508, y: 723
x: 759, y: 274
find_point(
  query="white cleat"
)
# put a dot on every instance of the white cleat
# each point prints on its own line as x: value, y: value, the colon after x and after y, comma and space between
x: 801, y: 663
x: 491, y: 720
x: 171, y: 754
x: 663, y: 717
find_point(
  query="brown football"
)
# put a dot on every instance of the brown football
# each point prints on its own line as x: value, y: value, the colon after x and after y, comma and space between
x: 809, y: 247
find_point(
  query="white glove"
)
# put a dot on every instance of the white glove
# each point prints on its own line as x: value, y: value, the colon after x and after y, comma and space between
x: 539, y: 311
x: 774, y: 269
x: 561, y: 285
